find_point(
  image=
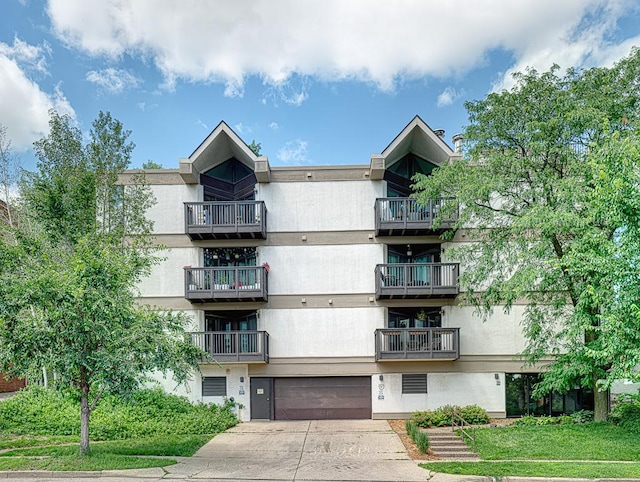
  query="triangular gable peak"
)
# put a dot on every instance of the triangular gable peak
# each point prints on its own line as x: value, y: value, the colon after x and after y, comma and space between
x: 419, y: 139
x: 219, y: 146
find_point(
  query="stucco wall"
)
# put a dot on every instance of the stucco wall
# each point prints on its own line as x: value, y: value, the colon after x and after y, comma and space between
x: 322, y: 332
x: 442, y: 389
x: 167, y: 278
x: 322, y: 269
x: 501, y: 334
x: 320, y: 206
x: 168, y: 212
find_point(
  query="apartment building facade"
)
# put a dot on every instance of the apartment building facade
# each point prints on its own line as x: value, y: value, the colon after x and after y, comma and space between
x: 323, y: 292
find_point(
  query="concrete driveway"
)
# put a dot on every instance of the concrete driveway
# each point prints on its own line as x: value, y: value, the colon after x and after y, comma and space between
x: 322, y: 450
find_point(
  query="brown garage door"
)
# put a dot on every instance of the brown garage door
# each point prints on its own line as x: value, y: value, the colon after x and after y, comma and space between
x: 322, y: 398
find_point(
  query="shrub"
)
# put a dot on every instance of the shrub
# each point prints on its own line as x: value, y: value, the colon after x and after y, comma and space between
x: 420, y: 438
x: 474, y: 414
x: 582, y: 416
x: 421, y: 419
x: 530, y: 420
x: 627, y: 416
x: 440, y: 417
x: 565, y: 420
x: 40, y: 411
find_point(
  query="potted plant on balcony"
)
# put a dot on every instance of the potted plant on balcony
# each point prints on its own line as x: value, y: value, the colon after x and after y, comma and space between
x: 265, y: 265
x: 222, y: 283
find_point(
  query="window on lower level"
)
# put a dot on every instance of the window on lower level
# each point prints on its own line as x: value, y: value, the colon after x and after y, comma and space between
x: 414, y: 383
x: 214, y: 386
x: 520, y: 400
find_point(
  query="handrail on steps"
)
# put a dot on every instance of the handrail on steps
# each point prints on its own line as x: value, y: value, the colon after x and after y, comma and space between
x: 458, y: 422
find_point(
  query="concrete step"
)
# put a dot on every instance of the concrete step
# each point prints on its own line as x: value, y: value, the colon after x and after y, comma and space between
x: 452, y: 440
x: 449, y: 446
x: 453, y: 446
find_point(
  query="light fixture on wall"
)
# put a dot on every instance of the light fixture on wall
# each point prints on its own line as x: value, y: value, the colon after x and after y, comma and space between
x: 241, y: 379
x: 409, y: 252
x: 381, y: 378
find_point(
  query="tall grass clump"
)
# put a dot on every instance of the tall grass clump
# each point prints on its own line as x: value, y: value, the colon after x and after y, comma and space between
x: 420, y: 438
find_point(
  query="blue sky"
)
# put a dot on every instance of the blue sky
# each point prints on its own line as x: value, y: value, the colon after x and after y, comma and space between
x: 315, y: 81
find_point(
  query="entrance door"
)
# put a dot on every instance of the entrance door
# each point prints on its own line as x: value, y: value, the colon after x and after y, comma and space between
x: 261, y: 398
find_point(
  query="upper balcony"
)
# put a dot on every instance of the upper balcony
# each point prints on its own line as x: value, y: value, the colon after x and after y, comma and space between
x: 416, y: 280
x: 401, y: 216
x: 233, y: 346
x: 229, y: 283
x: 226, y: 220
x: 393, y: 344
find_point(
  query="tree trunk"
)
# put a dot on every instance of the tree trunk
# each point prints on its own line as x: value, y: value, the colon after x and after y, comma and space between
x: 85, y: 413
x: 600, y: 402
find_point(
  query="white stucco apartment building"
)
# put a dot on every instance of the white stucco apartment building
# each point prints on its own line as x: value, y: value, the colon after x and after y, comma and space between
x: 322, y: 292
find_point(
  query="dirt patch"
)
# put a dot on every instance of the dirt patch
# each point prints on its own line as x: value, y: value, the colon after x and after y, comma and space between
x: 398, y: 426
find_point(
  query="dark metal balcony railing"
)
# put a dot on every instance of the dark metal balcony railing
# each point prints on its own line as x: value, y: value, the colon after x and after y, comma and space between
x: 233, y: 346
x: 416, y: 280
x: 398, y: 216
x: 417, y: 344
x: 229, y: 283
x: 226, y: 219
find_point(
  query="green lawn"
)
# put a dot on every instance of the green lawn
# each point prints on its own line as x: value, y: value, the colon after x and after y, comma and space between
x: 587, y: 470
x: 593, y: 441
x: 61, y: 453
x: 90, y: 462
x: 586, y: 451
x: 166, y: 445
x: 14, y: 441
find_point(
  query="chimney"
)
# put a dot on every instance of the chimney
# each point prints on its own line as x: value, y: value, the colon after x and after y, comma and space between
x: 457, y: 143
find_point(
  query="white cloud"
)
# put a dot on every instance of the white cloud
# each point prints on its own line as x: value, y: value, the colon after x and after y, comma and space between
x: 293, y: 91
x: 144, y: 106
x: 364, y: 40
x: 24, y: 106
x: 583, y: 42
x: 294, y: 152
x: 448, y: 96
x: 240, y: 128
x: 114, y: 81
x: 29, y: 57
x: 274, y: 126
x: 202, y: 124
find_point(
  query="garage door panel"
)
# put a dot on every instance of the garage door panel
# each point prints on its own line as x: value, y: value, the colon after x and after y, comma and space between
x: 322, y: 398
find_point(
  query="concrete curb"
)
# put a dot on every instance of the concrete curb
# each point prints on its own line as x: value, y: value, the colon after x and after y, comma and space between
x: 155, y: 473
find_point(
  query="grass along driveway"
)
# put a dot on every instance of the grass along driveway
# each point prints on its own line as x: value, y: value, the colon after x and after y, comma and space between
x: 110, y: 455
x: 591, y: 441
x: 590, y: 450
x: 586, y: 470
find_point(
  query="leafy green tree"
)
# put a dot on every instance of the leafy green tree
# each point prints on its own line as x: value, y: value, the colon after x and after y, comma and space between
x: 68, y: 276
x: 549, y: 190
x: 149, y: 164
x: 9, y: 174
x: 256, y: 147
